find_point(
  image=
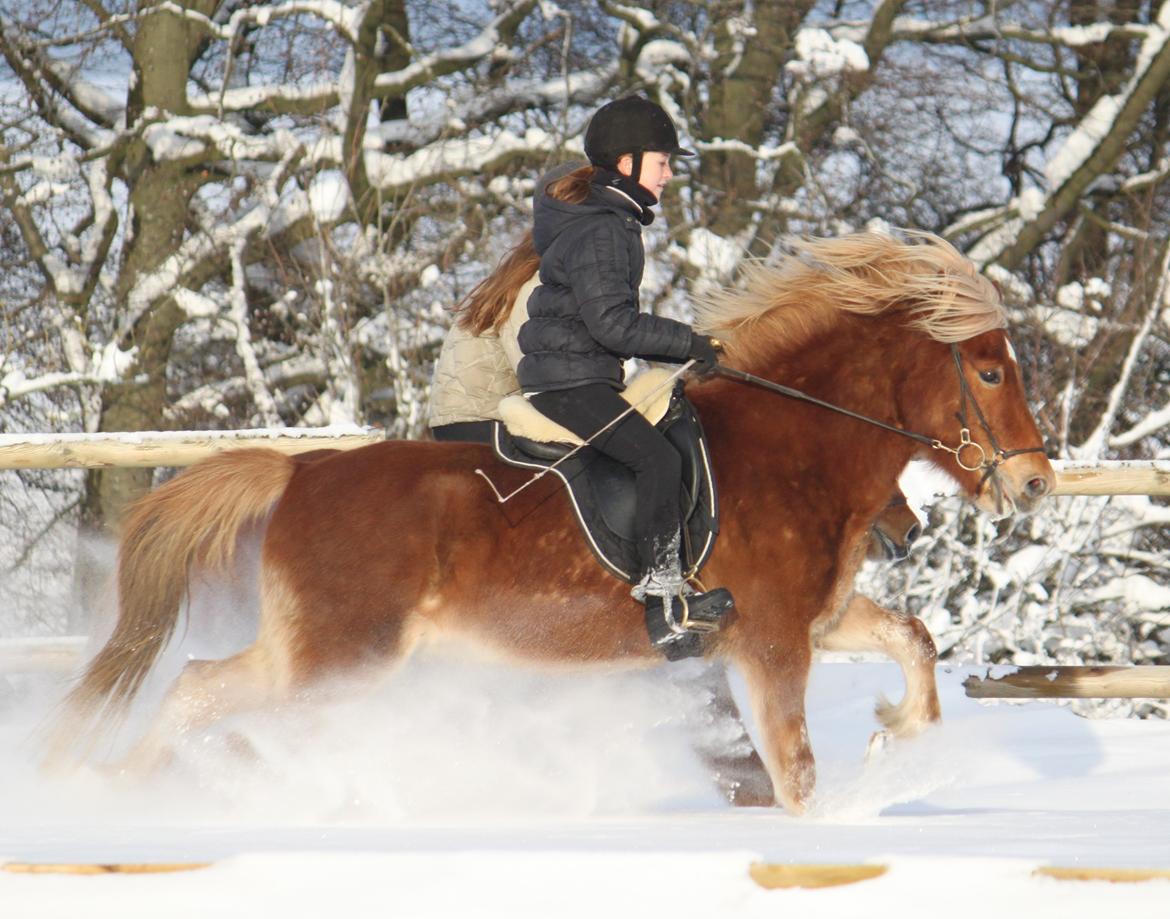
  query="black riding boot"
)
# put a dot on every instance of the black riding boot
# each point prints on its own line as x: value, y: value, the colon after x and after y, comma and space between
x: 677, y: 618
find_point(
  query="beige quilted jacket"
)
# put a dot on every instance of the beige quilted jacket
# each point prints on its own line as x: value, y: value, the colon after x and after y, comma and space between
x: 473, y: 373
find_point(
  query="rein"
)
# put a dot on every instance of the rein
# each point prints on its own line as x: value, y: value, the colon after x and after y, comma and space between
x: 998, y: 455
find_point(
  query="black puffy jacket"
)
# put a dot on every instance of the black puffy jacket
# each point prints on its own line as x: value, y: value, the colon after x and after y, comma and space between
x: 583, y: 319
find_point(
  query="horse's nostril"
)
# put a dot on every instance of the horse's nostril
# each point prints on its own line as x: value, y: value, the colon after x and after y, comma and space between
x: 1037, y: 487
x: 912, y: 534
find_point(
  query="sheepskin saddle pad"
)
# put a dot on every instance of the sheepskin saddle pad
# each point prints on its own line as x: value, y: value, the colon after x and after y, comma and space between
x: 601, y: 490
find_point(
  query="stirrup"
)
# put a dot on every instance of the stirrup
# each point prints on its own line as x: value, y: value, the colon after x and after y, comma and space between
x: 680, y: 630
x: 707, y: 615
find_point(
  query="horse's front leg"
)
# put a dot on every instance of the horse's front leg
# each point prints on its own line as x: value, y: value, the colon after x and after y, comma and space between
x: 776, y: 680
x: 865, y: 626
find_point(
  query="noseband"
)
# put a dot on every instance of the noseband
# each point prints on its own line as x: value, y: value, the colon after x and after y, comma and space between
x: 999, y: 456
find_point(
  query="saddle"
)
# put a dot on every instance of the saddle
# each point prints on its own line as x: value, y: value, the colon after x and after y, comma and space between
x: 601, y: 490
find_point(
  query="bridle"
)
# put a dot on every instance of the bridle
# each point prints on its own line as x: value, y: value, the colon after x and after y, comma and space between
x: 989, y: 465
x: 999, y: 456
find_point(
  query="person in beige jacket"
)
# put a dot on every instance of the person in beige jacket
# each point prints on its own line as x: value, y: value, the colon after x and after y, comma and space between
x: 474, y: 372
x: 476, y: 367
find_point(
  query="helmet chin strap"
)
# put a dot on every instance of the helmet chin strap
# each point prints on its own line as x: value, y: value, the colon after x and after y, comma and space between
x: 636, y: 175
x: 636, y: 165
x: 629, y: 186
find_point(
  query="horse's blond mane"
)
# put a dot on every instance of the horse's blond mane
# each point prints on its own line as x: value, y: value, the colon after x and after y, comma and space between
x: 784, y: 302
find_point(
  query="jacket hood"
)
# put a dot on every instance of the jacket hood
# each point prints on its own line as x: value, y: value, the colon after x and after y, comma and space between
x: 551, y: 217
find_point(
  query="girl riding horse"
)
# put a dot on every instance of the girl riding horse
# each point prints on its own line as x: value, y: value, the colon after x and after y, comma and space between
x: 369, y: 553
x: 584, y: 321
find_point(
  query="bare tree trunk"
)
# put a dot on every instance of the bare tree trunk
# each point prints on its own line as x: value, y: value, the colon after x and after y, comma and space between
x: 743, y: 80
x: 366, y: 66
x: 160, y: 193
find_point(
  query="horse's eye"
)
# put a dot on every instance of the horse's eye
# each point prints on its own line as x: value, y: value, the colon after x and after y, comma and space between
x: 991, y: 377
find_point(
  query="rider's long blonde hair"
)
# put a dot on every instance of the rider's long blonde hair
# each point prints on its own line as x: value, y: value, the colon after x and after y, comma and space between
x: 487, y: 306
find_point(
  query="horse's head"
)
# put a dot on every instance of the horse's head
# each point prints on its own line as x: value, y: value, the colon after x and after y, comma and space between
x: 905, y: 330
x: 987, y: 439
x: 893, y: 531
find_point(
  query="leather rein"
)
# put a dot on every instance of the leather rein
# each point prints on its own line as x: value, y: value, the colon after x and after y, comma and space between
x: 989, y: 465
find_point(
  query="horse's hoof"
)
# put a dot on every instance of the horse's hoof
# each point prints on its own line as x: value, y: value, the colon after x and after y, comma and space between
x: 241, y: 748
x: 751, y: 797
x: 879, y: 743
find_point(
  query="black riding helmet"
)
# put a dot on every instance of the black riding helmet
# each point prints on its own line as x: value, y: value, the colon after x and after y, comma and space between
x: 632, y: 125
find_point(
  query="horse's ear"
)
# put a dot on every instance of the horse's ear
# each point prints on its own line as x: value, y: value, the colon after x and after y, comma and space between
x: 997, y: 287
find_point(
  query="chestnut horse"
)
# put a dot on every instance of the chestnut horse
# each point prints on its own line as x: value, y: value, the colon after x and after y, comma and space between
x: 371, y: 551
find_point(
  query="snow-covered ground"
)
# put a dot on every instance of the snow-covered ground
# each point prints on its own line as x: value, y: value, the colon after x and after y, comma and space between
x: 465, y: 789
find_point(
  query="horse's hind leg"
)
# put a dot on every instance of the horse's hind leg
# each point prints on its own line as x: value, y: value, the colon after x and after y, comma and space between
x: 865, y: 626
x: 203, y: 693
x: 724, y: 746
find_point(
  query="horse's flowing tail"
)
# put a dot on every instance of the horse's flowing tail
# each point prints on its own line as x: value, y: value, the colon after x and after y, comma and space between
x: 194, y: 519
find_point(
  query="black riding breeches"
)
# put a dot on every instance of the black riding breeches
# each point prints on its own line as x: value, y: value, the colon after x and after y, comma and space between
x: 636, y: 444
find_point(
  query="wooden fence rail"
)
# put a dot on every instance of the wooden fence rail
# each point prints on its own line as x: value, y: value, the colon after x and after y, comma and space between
x: 1116, y: 477
x: 166, y: 448
x: 57, y: 654
x: 181, y: 448
x: 1142, y: 682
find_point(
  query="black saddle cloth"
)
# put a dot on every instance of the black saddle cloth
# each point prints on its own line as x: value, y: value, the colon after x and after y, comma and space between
x: 601, y: 490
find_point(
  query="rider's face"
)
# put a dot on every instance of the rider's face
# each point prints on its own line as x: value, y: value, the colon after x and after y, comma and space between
x: 655, y: 174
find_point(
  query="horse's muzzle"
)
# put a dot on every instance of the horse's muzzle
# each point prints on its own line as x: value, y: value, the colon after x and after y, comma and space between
x: 1018, y: 491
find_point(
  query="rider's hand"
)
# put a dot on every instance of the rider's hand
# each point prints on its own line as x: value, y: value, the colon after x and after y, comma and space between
x: 703, y: 354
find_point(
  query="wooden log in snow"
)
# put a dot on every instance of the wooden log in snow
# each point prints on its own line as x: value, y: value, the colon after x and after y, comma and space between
x: 1112, y: 875
x: 103, y: 868
x: 1143, y: 682
x: 166, y: 448
x: 782, y: 877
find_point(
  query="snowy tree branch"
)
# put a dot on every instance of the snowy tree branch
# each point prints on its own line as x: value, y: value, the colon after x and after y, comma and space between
x: 325, y: 95
x: 819, y: 110
x: 642, y: 27
x: 14, y: 385
x: 279, y: 375
x: 115, y: 24
x: 1090, y: 150
x: 990, y: 28
x: 238, y: 314
x: 1093, y: 445
x: 35, y: 78
x: 342, y: 18
x: 469, y: 54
